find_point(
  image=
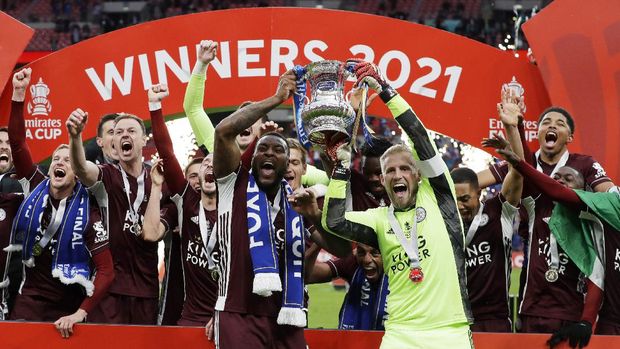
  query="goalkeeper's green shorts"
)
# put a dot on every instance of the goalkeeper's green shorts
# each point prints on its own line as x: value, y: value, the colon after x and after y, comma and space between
x: 449, y: 337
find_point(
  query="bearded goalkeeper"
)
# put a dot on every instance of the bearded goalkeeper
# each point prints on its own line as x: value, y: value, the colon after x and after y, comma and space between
x: 420, y: 235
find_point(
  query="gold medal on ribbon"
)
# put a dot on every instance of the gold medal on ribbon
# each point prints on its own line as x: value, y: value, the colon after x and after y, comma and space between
x: 551, y: 275
x: 137, y: 229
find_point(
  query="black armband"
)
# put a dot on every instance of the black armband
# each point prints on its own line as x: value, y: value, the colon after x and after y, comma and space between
x: 387, y: 93
x: 341, y: 173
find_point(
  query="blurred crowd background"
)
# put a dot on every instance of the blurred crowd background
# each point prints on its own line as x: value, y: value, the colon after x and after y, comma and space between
x: 60, y: 23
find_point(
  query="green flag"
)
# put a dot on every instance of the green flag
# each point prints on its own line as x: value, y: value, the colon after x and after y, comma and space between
x: 577, y: 232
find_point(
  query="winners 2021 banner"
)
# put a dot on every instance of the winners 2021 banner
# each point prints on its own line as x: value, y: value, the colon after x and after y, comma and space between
x: 452, y: 82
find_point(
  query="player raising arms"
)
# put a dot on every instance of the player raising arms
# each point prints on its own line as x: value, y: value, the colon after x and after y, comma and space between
x: 420, y: 235
x: 261, y: 281
x: 556, y: 129
x: 203, y: 128
x: 586, y: 226
x: 121, y: 191
x: 59, y: 233
x: 553, y: 293
x: 197, y: 210
x: 102, y: 151
x: 489, y: 229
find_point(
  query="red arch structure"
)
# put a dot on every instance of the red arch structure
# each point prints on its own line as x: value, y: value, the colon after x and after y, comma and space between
x: 452, y: 82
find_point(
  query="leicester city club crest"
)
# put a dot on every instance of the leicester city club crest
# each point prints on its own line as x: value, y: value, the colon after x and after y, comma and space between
x: 420, y: 214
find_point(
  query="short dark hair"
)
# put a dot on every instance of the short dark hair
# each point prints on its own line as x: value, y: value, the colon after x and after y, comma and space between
x: 566, y: 114
x: 4, y: 129
x: 103, y: 120
x: 579, y: 178
x: 465, y: 175
x: 194, y: 161
x: 378, y: 147
x: 276, y: 134
x: 122, y: 116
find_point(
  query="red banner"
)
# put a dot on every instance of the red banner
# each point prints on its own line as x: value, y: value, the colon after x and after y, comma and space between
x: 14, y: 39
x: 451, y: 81
x: 577, y: 47
x: 39, y: 335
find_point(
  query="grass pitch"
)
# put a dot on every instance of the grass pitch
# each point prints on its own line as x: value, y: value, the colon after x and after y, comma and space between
x: 325, y: 302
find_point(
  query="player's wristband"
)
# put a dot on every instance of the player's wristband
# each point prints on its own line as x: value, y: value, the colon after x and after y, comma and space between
x: 200, y: 68
x: 387, y: 93
x: 154, y: 106
x: 341, y: 173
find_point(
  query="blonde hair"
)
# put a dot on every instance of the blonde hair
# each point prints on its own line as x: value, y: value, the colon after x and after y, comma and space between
x: 62, y: 146
x: 395, y: 149
x: 294, y: 144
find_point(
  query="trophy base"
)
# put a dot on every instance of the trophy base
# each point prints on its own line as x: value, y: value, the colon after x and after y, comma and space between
x: 325, y: 138
x: 326, y: 129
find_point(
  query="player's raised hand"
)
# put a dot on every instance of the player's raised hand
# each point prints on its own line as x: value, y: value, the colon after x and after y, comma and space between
x: 269, y: 126
x: 21, y: 80
x: 509, y: 110
x: 510, y: 156
x: 304, y: 202
x: 76, y: 122
x: 286, y: 86
x: 158, y: 92
x: 157, y: 172
x: 369, y: 73
x: 207, y: 51
x: 339, y: 152
x: 356, y: 99
x: 497, y: 142
x: 503, y: 148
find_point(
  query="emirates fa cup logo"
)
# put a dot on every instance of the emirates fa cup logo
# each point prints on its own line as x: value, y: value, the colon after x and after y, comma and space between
x: 516, y: 88
x: 39, y: 105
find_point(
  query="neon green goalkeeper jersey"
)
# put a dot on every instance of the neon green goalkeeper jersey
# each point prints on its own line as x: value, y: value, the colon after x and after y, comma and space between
x: 441, y: 298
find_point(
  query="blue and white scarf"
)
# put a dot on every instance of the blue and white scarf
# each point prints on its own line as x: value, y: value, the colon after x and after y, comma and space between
x: 71, y: 258
x: 299, y: 97
x: 264, y: 253
x: 363, y: 307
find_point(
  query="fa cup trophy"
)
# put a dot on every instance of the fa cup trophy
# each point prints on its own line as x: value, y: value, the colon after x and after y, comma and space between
x: 326, y: 117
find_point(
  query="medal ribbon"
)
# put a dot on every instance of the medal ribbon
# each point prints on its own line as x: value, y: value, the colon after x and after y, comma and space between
x: 208, y: 239
x: 366, y: 130
x: 474, y: 225
x: 361, y: 113
x: 411, y: 246
x: 553, y: 251
x: 135, y: 207
x: 553, y: 244
x: 56, y: 219
x: 560, y: 163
